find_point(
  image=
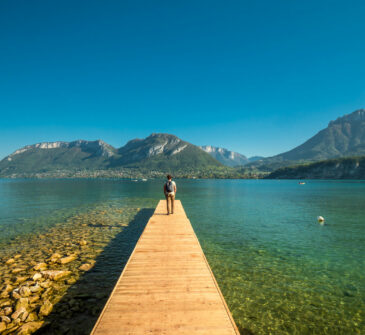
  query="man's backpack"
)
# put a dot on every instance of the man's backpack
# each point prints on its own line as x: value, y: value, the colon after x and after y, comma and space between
x: 169, y: 187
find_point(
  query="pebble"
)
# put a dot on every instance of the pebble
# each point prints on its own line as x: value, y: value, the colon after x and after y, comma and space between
x: 32, y: 317
x: 33, y: 298
x: 5, y: 293
x: 22, y: 303
x: 19, y: 313
x: 71, y: 281
x: 29, y: 327
x: 46, y: 308
x: 45, y: 284
x: 15, y: 294
x: 2, y: 326
x: 5, y: 319
x: 5, y: 303
x: 10, y: 261
x: 35, y: 288
x: 40, y: 266
x: 37, y: 276
x: 8, y: 310
x: 85, y: 267
x: 20, y: 280
x: 54, y: 258
x: 67, y: 259
x: 24, y: 291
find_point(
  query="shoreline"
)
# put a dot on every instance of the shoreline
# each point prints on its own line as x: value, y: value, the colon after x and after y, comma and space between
x: 56, y: 280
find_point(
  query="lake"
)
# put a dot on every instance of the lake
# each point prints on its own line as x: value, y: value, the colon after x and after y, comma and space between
x: 281, y: 272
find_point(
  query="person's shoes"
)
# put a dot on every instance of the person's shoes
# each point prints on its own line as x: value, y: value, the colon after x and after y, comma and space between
x: 168, y: 214
x: 172, y: 212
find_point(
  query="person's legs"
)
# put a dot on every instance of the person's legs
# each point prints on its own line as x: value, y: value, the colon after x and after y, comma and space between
x: 167, y: 203
x: 172, y: 203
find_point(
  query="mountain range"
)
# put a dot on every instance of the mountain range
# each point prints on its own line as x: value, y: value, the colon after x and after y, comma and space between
x: 343, y: 137
x: 158, y: 151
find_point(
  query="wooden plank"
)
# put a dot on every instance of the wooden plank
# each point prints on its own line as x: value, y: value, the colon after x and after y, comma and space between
x: 167, y: 286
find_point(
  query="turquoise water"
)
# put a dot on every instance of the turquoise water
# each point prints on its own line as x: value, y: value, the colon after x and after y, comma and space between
x: 280, y: 271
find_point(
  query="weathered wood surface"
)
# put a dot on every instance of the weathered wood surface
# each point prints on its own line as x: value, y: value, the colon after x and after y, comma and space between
x: 167, y: 286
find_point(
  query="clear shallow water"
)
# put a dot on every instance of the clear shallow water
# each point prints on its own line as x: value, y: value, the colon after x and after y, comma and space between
x: 279, y: 270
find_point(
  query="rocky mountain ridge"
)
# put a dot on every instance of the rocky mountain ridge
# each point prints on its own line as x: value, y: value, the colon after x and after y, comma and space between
x: 99, y: 147
x: 344, y: 137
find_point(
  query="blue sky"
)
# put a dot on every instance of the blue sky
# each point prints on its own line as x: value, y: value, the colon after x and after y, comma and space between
x: 258, y: 77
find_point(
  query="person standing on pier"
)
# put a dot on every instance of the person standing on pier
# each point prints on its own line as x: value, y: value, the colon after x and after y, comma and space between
x: 170, y: 191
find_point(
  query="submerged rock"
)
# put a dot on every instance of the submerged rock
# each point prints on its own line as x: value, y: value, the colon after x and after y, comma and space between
x: 22, y: 303
x: 6, y: 303
x: 20, y: 280
x: 71, y: 281
x: 55, y: 257
x: 40, y: 266
x: 85, y: 267
x: 35, y: 288
x: 29, y: 327
x: 67, y: 259
x: 37, y: 276
x: 46, y: 308
x: 5, y: 292
x: 20, y: 313
x: 2, y: 326
x: 24, y: 291
x: 10, y: 261
x: 45, y: 284
x: 32, y: 317
x: 55, y: 274
x: 33, y: 298
x: 8, y: 310
x: 5, y: 319
x: 15, y: 294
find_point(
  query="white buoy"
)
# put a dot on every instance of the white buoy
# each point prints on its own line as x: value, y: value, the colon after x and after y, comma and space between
x: 320, y: 219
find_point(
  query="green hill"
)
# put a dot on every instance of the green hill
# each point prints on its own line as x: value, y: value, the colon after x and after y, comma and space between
x: 340, y: 168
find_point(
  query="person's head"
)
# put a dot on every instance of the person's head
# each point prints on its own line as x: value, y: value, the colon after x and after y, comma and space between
x: 169, y: 177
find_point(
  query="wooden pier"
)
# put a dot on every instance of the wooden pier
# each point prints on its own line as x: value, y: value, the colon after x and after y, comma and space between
x: 167, y: 286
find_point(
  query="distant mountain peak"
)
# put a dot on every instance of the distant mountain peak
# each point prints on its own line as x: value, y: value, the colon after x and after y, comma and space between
x: 163, y: 135
x: 344, y: 137
x: 358, y: 115
x: 225, y: 156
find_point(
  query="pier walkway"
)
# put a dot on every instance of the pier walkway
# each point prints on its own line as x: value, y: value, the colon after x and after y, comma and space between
x: 167, y: 286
